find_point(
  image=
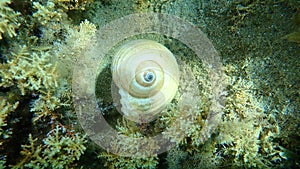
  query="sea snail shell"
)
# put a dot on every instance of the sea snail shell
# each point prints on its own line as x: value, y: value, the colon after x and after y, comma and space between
x: 146, y: 74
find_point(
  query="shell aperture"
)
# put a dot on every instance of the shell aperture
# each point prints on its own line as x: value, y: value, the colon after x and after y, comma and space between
x: 146, y: 74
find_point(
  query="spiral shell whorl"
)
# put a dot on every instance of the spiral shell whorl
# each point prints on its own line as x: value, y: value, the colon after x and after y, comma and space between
x: 147, y: 76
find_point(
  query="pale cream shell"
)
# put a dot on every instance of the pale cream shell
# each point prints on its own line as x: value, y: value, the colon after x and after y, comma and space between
x: 147, y: 76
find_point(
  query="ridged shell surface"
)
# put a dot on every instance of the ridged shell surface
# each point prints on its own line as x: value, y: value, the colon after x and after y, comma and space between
x: 146, y: 74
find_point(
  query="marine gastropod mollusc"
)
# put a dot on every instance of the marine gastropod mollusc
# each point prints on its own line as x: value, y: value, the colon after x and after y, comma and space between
x: 146, y: 75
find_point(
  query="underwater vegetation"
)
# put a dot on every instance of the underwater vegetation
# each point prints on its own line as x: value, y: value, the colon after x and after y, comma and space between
x: 258, y: 42
x: 295, y: 36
